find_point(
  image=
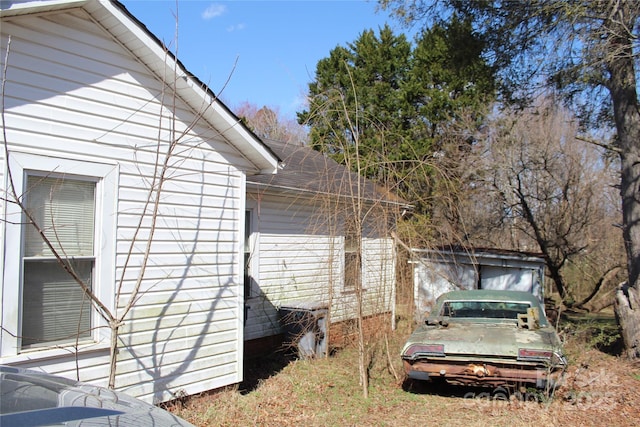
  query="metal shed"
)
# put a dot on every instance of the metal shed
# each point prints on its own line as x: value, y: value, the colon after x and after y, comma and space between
x: 441, y: 270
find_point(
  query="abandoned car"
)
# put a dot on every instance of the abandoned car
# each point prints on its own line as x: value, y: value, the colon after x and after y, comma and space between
x: 486, y: 338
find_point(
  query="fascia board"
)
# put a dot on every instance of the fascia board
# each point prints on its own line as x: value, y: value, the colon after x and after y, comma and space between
x: 26, y: 7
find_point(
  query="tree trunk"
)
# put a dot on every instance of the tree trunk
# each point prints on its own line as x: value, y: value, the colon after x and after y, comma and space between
x: 626, y: 306
x: 113, y: 354
x: 627, y: 313
x: 624, y: 96
x: 556, y: 276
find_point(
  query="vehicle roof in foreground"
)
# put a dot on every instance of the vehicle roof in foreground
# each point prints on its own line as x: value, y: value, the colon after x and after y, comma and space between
x: 30, y: 398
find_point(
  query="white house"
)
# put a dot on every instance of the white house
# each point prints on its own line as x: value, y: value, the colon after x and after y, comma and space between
x: 93, y: 105
x: 303, y: 244
x: 441, y: 270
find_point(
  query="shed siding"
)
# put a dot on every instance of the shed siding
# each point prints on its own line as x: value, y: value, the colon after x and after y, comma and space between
x: 431, y: 279
x: 438, y: 272
x: 73, y: 92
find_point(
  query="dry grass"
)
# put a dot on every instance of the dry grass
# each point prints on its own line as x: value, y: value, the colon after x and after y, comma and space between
x: 600, y: 389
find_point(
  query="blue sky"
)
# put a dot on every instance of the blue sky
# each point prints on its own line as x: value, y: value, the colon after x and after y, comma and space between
x: 273, y: 45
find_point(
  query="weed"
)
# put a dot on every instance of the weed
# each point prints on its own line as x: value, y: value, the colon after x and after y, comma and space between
x: 599, y: 331
x: 326, y: 392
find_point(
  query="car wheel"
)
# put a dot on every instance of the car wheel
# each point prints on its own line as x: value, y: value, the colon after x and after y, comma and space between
x: 500, y: 393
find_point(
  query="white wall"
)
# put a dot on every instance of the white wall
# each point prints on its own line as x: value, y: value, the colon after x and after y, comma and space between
x: 72, y: 92
x: 301, y: 258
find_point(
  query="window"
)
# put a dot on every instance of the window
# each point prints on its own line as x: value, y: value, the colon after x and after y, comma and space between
x: 352, y: 255
x: 74, y: 203
x: 55, y: 309
x: 484, y: 309
x: 247, y: 254
x: 251, y: 263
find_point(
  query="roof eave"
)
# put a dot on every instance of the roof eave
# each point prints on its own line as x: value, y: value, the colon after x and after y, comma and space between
x: 190, y: 89
x: 118, y: 21
x: 312, y: 194
x: 15, y: 8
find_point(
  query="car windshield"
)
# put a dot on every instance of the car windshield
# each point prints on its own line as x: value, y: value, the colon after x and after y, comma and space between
x: 484, y: 309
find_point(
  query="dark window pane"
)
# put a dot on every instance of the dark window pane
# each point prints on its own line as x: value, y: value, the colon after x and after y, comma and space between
x: 55, y: 308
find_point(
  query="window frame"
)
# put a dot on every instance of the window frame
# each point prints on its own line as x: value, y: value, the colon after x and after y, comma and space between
x: 105, y: 177
x: 251, y: 289
x: 37, y: 255
x: 352, y: 258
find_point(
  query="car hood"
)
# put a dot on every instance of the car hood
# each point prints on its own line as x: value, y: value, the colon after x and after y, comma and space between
x: 485, y: 339
x: 31, y: 398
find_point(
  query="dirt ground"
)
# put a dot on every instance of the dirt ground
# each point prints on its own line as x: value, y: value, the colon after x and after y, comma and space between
x: 599, y: 389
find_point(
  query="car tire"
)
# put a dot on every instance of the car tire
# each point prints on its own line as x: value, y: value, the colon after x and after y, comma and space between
x: 500, y: 393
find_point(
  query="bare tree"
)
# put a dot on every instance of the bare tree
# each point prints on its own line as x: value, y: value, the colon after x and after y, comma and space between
x: 363, y: 212
x: 268, y: 123
x: 543, y: 190
x: 588, y: 50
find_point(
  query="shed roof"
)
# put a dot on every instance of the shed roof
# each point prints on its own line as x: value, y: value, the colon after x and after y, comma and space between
x: 479, y: 253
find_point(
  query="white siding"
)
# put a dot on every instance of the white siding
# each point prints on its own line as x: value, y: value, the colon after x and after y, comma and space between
x: 301, y: 258
x: 295, y: 254
x: 73, y: 92
x: 378, y: 282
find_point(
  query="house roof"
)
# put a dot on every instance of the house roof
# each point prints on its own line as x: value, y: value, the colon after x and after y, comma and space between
x: 134, y: 36
x: 305, y: 170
